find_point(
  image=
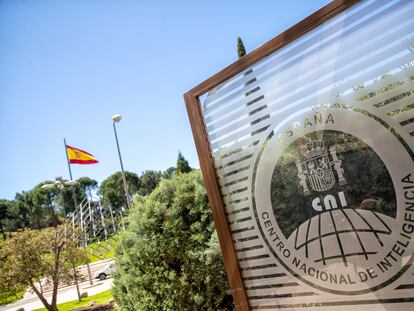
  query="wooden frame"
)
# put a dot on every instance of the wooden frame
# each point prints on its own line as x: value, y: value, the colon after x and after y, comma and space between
x: 202, y: 143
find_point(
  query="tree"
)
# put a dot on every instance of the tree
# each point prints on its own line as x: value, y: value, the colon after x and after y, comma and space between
x: 149, y: 181
x: 39, y: 207
x: 82, y: 189
x: 182, y: 164
x: 169, y: 173
x: 241, y: 51
x: 65, y: 197
x: 169, y: 257
x: 44, y: 199
x: 30, y: 255
x: 87, y: 184
x: 4, y: 214
x: 18, y: 213
x: 112, y: 189
x: 25, y: 213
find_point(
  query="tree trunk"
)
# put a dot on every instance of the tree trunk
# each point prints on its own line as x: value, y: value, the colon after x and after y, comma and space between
x: 52, y: 308
x: 55, y: 292
x: 40, y: 285
x: 1, y: 229
x: 48, y: 306
x: 55, y: 277
x: 38, y: 222
x: 26, y: 221
x: 52, y: 211
x: 75, y: 273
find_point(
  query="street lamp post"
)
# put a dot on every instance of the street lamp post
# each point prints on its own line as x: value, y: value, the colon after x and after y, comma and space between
x: 116, y: 118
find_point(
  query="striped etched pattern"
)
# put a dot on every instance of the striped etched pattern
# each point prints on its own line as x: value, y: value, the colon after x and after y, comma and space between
x: 362, y: 58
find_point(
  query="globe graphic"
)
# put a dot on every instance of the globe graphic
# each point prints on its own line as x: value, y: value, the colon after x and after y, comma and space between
x: 345, y: 235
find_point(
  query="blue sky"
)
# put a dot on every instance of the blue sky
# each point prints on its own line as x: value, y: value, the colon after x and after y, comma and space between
x: 67, y: 66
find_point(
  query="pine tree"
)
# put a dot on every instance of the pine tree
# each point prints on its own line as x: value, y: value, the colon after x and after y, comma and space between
x: 182, y: 164
x: 241, y: 51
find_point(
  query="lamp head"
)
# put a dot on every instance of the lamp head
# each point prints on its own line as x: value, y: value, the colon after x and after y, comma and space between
x: 70, y: 182
x: 47, y: 186
x: 116, y: 118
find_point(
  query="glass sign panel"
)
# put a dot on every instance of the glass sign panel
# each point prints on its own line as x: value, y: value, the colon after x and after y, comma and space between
x: 313, y: 150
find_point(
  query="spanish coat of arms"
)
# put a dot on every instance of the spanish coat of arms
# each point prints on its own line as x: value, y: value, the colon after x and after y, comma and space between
x: 317, y: 169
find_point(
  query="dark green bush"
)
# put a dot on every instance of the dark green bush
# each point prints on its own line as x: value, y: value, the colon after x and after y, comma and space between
x: 169, y: 257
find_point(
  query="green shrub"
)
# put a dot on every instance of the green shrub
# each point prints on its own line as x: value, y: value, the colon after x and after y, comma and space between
x: 9, y: 297
x: 169, y: 257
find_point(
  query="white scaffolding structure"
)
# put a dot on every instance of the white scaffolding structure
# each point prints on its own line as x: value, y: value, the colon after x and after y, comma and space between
x: 97, y: 224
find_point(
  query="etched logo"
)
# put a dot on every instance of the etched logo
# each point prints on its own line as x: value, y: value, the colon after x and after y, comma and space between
x: 316, y: 169
x: 334, y: 206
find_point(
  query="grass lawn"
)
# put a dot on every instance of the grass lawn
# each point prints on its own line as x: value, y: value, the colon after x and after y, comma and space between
x: 67, y: 306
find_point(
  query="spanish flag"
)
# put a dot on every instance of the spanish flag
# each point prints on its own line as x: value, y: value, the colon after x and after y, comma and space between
x: 77, y: 156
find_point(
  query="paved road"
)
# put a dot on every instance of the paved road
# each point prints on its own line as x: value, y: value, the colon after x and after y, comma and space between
x: 98, y: 265
x: 32, y: 302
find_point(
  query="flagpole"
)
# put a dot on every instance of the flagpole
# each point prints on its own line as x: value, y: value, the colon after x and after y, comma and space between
x: 76, y: 206
x: 67, y: 158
